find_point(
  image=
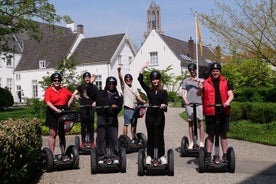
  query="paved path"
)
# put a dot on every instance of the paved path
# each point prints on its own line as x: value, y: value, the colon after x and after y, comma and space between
x: 255, y: 163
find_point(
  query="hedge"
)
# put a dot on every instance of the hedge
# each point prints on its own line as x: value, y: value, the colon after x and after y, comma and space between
x: 20, y: 150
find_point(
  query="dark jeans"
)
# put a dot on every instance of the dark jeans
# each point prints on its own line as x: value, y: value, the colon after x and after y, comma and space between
x: 87, y: 123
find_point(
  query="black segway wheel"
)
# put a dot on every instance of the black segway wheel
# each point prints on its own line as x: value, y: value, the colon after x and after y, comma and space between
x: 141, y: 162
x: 231, y: 159
x: 47, y: 160
x: 93, y: 161
x: 123, y: 162
x: 184, y: 146
x: 142, y: 139
x: 77, y: 142
x: 170, y: 162
x: 124, y: 141
x: 201, y: 160
x: 73, y: 153
x: 205, y: 145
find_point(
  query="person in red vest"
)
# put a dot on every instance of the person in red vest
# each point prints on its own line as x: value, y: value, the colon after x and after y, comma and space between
x: 216, y: 90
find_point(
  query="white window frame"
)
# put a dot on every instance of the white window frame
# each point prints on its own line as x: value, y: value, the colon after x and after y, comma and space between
x: 99, y: 82
x: 153, y: 58
x: 120, y: 60
x: 9, y: 84
x: 34, y: 88
x: 42, y: 64
x: 18, y: 76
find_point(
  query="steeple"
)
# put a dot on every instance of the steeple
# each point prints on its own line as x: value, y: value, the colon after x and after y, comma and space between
x: 153, y: 19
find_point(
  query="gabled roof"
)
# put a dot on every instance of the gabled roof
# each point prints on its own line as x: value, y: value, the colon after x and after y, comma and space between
x: 98, y: 50
x: 54, y: 46
x: 181, y: 50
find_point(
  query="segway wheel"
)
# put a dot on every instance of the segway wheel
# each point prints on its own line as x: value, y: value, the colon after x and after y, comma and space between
x: 141, y: 162
x: 205, y: 145
x: 231, y: 160
x: 143, y: 139
x: 124, y: 141
x: 77, y: 142
x: 170, y: 162
x: 47, y: 160
x: 201, y: 160
x: 73, y: 153
x: 93, y: 161
x: 184, y: 146
x: 123, y: 162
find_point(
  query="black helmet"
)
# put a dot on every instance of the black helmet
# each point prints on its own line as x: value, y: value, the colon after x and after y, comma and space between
x: 215, y: 65
x: 111, y: 79
x: 191, y: 66
x: 155, y: 75
x: 128, y: 76
x: 86, y: 74
x: 56, y: 76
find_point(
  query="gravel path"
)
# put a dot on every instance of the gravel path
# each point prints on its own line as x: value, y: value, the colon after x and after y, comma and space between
x: 255, y: 163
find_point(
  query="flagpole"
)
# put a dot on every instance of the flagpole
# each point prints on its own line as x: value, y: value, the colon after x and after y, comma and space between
x: 197, y: 67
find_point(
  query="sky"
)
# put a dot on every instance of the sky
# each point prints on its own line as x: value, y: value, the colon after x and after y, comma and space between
x: 108, y: 17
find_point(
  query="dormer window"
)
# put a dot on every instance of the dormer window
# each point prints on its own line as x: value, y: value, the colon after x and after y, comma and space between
x: 120, y: 59
x: 42, y: 64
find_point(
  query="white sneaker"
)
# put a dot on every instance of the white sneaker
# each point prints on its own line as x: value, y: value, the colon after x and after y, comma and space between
x: 201, y: 144
x: 191, y: 145
x: 100, y: 162
x: 148, y: 160
x: 163, y: 160
x: 115, y: 161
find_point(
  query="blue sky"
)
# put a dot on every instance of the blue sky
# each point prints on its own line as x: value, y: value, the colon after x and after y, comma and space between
x: 107, y: 17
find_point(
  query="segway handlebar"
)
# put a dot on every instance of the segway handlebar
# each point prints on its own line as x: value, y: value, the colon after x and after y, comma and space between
x: 214, y: 105
x: 194, y: 104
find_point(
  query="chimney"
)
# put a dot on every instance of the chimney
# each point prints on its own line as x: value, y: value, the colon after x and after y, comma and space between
x: 191, y: 47
x: 80, y: 29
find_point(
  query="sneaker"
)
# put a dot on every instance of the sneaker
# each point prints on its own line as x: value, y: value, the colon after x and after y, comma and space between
x: 201, y: 144
x: 191, y: 145
x: 224, y: 158
x: 148, y: 160
x: 65, y: 158
x: 100, y: 162
x: 93, y: 145
x: 163, y: 160
x: 82, y: 145
x: 115, y: 161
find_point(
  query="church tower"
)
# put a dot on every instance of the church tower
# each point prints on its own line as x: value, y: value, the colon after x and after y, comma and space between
x: 153, y: 19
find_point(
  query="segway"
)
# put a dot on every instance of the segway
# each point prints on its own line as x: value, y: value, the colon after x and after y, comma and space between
x: 216, y: 164
x: 185, y: 141
x: 140, y: 140
x: 86, y: 150
x: 155, y: 168
x: 52, y: 162
x: 108, y: 165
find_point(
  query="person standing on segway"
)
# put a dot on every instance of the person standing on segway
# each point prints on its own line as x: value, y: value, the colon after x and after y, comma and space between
x: 56, y: 99
x: 159, y: 97
x: 107, y: 120
x: 216, y: 90
x: 131, y: 95
x: 189, y: 95
x: 86, y: 110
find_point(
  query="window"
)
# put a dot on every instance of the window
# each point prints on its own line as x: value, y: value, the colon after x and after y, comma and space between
x: 42, y: 64
x: 9, y: 61
x: 129, y: 60
x: 17, y: 76
x: 120, y: 59
x: 35, y: 88
x: 98, y: 82
x: 9, y: 84
x: 153, y: 58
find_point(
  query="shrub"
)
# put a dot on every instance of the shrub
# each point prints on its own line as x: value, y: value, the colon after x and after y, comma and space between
x: 37, y: 108
x: 20, y: 150
x: 6, y: 98
x: 256, y: 94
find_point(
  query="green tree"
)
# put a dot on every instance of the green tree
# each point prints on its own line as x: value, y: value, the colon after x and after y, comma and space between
x: 6, y: 98
x: 248, y: 29
x: 249, y: 73
x: 17, y: 16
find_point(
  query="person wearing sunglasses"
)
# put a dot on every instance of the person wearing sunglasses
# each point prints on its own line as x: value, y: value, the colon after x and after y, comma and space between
x: 56, y: 98
x: 189, y: 96
x: 108, y: 105
x: 86, y: 110
x: 131, y: 95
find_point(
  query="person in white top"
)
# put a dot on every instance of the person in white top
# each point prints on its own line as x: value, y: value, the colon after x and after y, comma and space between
x: 131, y: 96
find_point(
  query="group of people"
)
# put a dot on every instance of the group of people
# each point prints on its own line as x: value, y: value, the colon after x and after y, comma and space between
x: 215, y: 94
x: 214, y: 90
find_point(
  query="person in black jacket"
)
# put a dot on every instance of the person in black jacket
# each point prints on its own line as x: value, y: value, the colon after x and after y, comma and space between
x: 157, y: 96
x: 86, y: 110
x: 107, y: 119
